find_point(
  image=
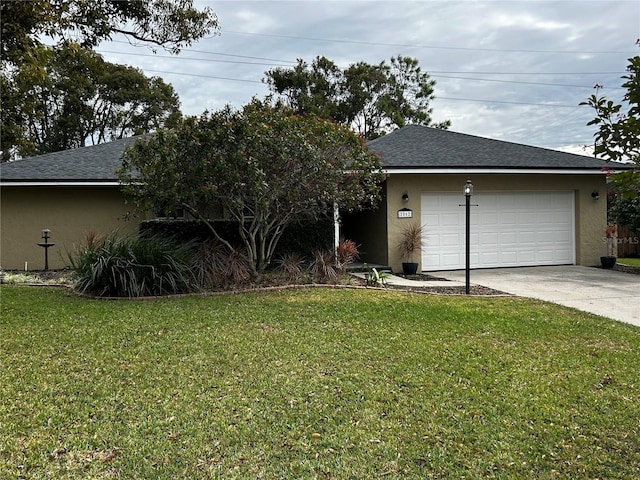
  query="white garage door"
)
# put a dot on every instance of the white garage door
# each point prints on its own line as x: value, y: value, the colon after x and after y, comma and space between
x: 507, y: 230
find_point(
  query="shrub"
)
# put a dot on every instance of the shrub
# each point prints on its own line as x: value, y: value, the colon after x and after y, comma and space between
x: 237, y: 268
x: 215, y: 266
x: 626, y: 211
x: 410, y: 242
x: 303, y: 237
x: 346, y: 253
x: 208, y: 264
x: 125, y: 266
x: 324, y: 268
x: 374, y: 278
x: 291, y: 265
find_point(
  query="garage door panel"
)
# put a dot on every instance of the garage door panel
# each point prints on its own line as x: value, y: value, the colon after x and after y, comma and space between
x: 507, y: 229
x: 489, y: 239
x: 451, y: 260
x: 450, y: 240
x: 432, y: 220
x: 489, y: 257
x: 431, y: 241
x: 448, y: 220
x: 509, y: 218
x: 507, y: 238
x: 545, y: 255
x: 548, y: 237
x: 526, y: 237
x: 488, y: 219
x: 508, y: 257
x: 561, y: 218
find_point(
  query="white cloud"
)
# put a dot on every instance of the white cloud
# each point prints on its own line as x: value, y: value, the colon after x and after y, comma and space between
x: 523, y: 44
x: 524, y: 21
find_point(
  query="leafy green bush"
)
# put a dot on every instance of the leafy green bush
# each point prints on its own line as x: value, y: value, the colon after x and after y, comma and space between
x: 125, y: 266
x: 626, y: 211
x: 375, y: 278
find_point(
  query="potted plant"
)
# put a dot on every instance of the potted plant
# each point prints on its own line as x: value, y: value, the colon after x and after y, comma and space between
x: 609, y: 260
x: 409, y: 246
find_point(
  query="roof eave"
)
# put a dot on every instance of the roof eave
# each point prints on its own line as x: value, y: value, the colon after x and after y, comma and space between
x: 59, y: 183
x: 494, y: 171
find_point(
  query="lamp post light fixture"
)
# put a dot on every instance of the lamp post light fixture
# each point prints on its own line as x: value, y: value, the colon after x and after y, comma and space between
x: 468, y: 191
x: 46, y: 234
x: 468, y: 188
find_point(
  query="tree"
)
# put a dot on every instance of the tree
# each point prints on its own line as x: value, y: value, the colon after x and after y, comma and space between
x: 171, y: 24
x: 30, y: 94
x: 372, y: 99
x: 314, y: 89
x: 365, y: 89
x: 74, y: 95
x: 618, y: 139
x: 264, y: 165
x: 618, y: 134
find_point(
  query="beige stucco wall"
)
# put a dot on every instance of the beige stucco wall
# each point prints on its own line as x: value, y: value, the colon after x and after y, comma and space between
x: 590, y: 215
x: 69, y: 212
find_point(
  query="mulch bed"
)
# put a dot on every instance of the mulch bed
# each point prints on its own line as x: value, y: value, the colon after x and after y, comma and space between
x: 444, y: 290
x: 276, y: 281
x: 477, y: 290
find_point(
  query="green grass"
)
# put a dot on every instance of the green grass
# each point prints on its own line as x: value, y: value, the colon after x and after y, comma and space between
x: 630, y: 261
x: 314, y: 383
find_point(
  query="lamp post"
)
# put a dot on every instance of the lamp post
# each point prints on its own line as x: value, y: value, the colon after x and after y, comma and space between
x: 468, y: 191
x: 46, y: 235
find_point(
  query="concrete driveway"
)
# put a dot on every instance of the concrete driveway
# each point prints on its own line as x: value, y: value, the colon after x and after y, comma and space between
x: 608, y: 293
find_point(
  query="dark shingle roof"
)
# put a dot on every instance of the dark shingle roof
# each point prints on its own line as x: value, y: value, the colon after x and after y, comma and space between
x: 413, y: 146
x: 417, y: 146
x: 96, y: 163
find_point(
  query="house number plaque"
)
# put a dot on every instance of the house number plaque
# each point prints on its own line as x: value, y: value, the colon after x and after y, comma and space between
x: 405, y: 213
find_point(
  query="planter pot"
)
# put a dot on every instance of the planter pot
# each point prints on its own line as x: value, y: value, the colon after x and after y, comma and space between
x: 608, y: 262
x: 409, y: 268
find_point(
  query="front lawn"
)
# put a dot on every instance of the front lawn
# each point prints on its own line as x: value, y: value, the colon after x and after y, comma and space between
x: 314, y: 383
x: 630, y: 261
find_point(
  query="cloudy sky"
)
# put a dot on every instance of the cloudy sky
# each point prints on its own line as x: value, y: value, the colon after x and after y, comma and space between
x: 508, y: 70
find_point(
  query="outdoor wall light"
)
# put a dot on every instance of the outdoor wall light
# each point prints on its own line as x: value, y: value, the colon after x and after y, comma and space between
x: 595, y: 195
x: 405, y: 197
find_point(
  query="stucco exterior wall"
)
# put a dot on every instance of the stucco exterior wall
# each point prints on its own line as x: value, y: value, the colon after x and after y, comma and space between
x: 69, y: 212
x: 590, y: 214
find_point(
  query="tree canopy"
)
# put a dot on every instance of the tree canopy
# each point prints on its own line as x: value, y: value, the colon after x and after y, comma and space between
x: 55, y: 96
x: 171, y: 24
x: 618, y: 139
x: 371, y: 99
x: 264, y: 165
x: 73, y: 96
x: 618, y: 135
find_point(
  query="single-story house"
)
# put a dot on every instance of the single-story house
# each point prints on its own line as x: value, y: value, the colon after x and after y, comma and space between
x: 531, y: 206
